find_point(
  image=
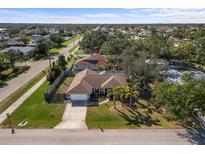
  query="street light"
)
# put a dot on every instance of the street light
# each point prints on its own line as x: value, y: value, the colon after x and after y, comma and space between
x: 12, y: 129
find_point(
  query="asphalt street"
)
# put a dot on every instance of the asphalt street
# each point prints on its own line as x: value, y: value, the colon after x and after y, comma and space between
x: 36, y: 67
x: 90, y: 137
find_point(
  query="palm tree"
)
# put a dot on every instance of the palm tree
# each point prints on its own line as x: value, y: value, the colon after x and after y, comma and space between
x: 12, y: 56
x: 122, y: 97
x: 116, y: 95
x: 3, y: 63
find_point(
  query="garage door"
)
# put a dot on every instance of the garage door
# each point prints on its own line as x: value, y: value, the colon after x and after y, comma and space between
x: 79, y: 96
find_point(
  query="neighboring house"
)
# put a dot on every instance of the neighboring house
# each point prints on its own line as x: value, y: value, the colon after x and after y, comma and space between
x: 27, y: 51
x: 89, y: 82
x: 35, y: 38
x: 94, y: 61
x: 16, y: 41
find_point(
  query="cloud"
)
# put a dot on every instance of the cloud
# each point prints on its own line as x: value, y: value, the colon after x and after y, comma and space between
x: 102, y: 15
x: 181, y: 14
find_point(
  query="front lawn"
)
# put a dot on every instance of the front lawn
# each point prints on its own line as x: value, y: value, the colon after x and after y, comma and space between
x: 37, y: 112
x: 17, y: 94
x: 144, y: 116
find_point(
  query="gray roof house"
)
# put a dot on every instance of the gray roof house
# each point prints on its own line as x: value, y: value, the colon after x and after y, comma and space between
x: 27, y: 50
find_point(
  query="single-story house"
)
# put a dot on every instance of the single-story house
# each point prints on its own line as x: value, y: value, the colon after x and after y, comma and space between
x: 93, y: 61
x: 27, y: 50
x: 89, y: 82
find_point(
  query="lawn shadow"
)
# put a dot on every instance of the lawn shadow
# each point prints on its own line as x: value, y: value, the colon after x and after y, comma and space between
x: 134, y: 121
x: 144, y: 107
x: 138, y: 119
x: 194, y: 136
x: 3, y: 84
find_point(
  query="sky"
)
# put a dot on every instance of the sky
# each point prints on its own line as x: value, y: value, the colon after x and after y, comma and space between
x: 100, y: 15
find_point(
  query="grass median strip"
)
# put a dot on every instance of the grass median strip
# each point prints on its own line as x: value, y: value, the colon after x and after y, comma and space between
x: 64, y: 44
x: 16, y: 95
x: 36, y: 112
x: 68, y: 42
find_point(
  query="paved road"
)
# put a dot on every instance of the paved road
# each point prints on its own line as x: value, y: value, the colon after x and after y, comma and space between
x: 20, y: 101
x: 137, y: 136
x: 35, y: 68
x: 73, y: 117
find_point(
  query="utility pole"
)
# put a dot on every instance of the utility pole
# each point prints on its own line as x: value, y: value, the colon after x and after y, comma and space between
x: 50, y: 58
x: 12, y: 129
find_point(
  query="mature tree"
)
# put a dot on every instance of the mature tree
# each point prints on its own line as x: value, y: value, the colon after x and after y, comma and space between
x: 183, y: 100
x: 53, y: 73
x: 180, y: 33
x: 69, y: 34
x: 62, y: 62
x: 93, y: 40
x: 139, y: 64
x: 43, y: 47
x: 157, y: 45
x: 25, y: 39
x: 3, y: 63
x: 185, y: 52
x: 57, y: 39
x: 200, y: 52
x: 14, y: 31
x: 114, y: 47
x: 13, y: 56
x: 125, y: 94
x: 43, y: 32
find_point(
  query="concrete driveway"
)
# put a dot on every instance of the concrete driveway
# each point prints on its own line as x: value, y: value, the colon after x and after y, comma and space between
x: 73, y: 117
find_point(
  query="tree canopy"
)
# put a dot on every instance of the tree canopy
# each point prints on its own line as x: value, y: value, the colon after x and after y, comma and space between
x: 43, y: 47
x: 93, y: 40
x: 183, y: 100
x: 57, y: 39
x: 12, y: 57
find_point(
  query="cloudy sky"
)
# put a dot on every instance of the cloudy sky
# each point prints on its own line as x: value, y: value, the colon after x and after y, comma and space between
x: 107, y: 15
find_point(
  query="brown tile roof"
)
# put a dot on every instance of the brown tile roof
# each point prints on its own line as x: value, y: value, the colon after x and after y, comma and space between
x: 92, y: 59
x: 114, y: 81
x: 86, y: 80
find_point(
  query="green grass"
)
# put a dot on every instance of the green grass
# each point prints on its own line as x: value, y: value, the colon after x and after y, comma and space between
x: 64, y: 44
x: 17, y: 94
x: 122, y: 117
x: 68, y: 42
x: 55, y: 50
x: 37, y: 112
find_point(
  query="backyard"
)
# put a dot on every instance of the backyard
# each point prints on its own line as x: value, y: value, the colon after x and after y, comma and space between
x: 107, y: 117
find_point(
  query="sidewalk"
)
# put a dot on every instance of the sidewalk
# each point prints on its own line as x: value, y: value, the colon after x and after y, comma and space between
x: 73, y: 117
x: 16, y: 104
x: 36, y: 67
